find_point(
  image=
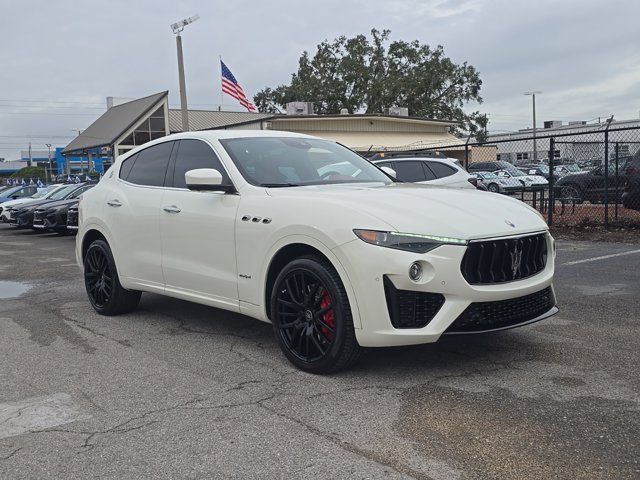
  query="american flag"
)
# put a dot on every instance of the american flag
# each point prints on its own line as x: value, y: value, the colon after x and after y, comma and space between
x: 231, y: 87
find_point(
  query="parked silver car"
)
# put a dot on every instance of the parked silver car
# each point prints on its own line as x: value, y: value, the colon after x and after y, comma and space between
x: 493, y: 183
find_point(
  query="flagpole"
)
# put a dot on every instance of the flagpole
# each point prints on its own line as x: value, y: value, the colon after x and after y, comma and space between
x: 220, y: 79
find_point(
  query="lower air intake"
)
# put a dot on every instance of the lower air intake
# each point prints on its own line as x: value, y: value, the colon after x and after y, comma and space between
x: 410, y: 309
x: 482, y: 316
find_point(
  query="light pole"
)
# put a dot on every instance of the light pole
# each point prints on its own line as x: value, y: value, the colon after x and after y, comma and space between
x: 177, y: 28
x: 535, y: 146
x: 46, y: 180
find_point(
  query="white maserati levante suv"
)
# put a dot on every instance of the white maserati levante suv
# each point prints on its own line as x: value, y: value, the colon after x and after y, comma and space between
x: 260, y: 223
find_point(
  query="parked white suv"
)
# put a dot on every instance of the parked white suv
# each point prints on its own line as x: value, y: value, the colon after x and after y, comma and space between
x: 243, y: 221
x: 445, y: 172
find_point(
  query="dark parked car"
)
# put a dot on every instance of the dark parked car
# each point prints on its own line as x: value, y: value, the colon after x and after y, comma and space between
x: 22, y: 215
x: 631, y: 195
x: 53, y: 216
x: 72, y: 219
x: 590, y: 185
x: 490, y: 166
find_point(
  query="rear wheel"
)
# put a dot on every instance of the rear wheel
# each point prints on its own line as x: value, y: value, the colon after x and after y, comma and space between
x: 312, y: 318
x: 101, y: 281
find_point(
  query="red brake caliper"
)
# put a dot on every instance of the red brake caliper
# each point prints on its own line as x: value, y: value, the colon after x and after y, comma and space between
x: 327, y: 317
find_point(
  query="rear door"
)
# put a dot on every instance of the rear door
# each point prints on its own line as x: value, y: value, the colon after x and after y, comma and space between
x: 412, y: 171
x: 132, y: 212
x: 198, y: 231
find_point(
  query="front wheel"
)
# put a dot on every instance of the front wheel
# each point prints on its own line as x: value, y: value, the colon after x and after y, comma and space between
x: 493, y: 188
x: 101, y: 281
x: 312, y: 318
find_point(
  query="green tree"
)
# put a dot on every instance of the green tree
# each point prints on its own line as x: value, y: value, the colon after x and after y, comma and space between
x: 28, y: 173
x: 369, y: 74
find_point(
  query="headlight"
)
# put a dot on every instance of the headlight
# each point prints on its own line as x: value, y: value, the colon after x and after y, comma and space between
x: 410, y: 242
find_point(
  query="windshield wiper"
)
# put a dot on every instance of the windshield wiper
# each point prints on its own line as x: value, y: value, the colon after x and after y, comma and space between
x: 276, y: 185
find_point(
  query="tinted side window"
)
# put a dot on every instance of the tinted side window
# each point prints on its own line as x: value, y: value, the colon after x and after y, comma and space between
x: 441, y: 170
x: 151, y: 165
x: 410, y: 171
x: 194, y: 154
x: 429, y: 174
x: 126, y: 166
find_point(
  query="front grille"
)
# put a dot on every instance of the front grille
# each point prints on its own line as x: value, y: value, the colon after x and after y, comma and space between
x: 38, y: 216
x: 504, y: 260
x: 409, y: 309
x: 482, y: 316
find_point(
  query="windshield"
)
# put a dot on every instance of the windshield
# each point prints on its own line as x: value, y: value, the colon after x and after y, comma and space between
x: 63, y: 192
x: 542, y: 168
x: 284, y: 161
x: 516, y: 173
x: 573, y: 168
x: 44, y: 191
x: 489, y: 175
x: 11, y: 191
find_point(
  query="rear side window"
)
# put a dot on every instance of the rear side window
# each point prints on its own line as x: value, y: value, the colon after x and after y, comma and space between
x: 441, y: 170
x: 410, y: 171
x: 151, y: 165
x: 194, y: 154
x: 126, y: 166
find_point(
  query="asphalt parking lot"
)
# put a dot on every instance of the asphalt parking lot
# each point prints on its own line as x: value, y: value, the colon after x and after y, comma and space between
x: 184, y: 391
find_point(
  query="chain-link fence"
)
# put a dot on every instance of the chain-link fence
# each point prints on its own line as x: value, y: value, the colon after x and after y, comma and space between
x: 589, y: 178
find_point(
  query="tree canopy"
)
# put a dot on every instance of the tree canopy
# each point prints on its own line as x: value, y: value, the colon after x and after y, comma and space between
x: 369, y: 74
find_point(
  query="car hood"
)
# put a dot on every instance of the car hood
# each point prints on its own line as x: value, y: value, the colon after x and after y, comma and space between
x: 58, y: 203
x: 17, y: 201
x: 33, y: 203
x: 424, y: 209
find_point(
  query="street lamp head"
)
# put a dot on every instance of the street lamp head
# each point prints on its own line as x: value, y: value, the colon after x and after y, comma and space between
x: 179, y: 26
x: 533, y: 92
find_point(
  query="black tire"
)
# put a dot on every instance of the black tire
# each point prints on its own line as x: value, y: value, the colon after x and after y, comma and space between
x: 101, y: 281
x: 493, y: 188
x: 571, y: 191
x: 314, y: 329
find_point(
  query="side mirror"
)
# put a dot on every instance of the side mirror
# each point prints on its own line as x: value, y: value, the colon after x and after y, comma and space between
x: 206, y: 179
x: 389, y: 171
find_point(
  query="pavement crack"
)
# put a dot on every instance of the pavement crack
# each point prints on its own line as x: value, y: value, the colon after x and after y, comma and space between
x: 350, y: 447
x: 7, y: 457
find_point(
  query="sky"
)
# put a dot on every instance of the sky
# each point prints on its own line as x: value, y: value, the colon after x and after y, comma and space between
x: 60, y: 60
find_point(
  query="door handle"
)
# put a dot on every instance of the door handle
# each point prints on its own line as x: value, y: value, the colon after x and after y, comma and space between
x: 171, y: 209
x: 114, y: 203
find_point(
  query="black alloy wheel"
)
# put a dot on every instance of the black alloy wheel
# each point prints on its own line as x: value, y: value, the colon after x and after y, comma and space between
x: 312, y: 318
x: 101, y: 281
x: 571, y: 192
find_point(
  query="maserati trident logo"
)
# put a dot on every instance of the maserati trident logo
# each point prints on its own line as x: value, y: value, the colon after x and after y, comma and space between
x: 510, y: 223
x: 516, y: 259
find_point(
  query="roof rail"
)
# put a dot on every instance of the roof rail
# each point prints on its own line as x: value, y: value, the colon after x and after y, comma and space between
x: 408, y: 154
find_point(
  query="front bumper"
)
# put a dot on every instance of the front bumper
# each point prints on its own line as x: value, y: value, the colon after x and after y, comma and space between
x: 23, y: 220
x: 369, y: 266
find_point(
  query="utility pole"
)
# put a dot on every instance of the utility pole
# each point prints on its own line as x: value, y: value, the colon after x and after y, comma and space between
x: 29, y: 161
x: 535, y: 145
x: 46, y: 180
x: 177, y: 28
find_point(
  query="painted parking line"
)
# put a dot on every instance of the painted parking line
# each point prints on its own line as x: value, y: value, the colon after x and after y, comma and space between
x: 38, y: 413
x: 603, y: 257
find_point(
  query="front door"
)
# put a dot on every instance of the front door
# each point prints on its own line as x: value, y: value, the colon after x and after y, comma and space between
x: 197, y: 230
